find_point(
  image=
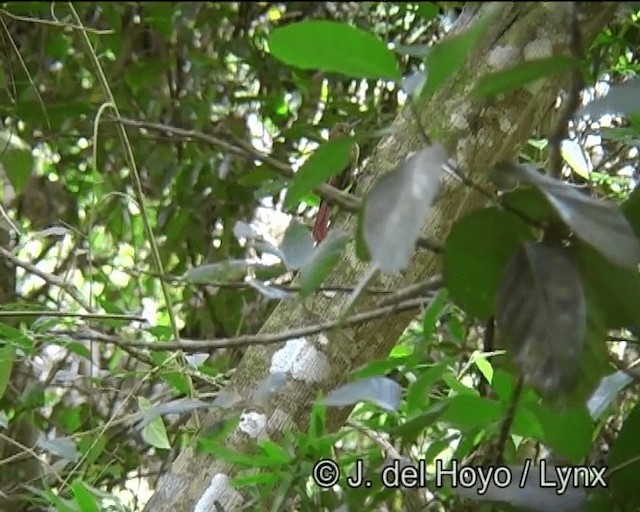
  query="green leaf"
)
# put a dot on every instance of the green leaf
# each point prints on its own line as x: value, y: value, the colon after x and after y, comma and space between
x: 275, y: 452
x: 417, y: 393
x: 322, y: 262
x: 85, y: 500
x: 476, y: 254
x: 447, y: 57
x: 616, y: 290
x: 521, y: 74
x: 624, y: 459
x: 427, y: 10
x: 154, y: 432
x: 16, y: 159
x: 334, y: 47
x: 230, y: 270
x: 413, y: 428
x: 7, y: 357
x: 568, y: 432
x: 470, y: 411
x: 330, y: 159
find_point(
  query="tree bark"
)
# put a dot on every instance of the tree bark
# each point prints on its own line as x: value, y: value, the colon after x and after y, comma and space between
x: 477, y: 133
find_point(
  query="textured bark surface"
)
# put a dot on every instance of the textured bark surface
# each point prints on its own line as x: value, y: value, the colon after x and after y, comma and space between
x: 478, y: 133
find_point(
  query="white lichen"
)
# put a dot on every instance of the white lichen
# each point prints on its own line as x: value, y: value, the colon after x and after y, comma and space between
x: 220, y: 493
x: 301, y: 360
x: 505, y: 124
x: 540, y: 48
x: 502, y: 57
x: 254, y: 424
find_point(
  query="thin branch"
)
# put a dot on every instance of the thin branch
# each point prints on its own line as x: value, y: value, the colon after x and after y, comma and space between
x: 203, y: 346
x: 413, y: 290
x: 69, y: 288
x: 572, y: 102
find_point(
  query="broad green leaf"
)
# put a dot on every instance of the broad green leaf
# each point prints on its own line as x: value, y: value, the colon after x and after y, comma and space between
x: 470, y: 411
x: 624, y: 460
x: 427, y: 10
x: 334, y: 47
x: 397, y: 207
x: 85, y: 500
x: 330, y: 159
x: 476, y: 254
x: 275, y: 452
x: 567, y: 432
x: 16, y: 159
x: 433, y: 312
x: 521, y: 74
x: 616, y: 290
x: 7, y: 357
x: 154, y: 432
x: 541, y: 314
x: 446, y: 57
x: 417, y: 393
x: 322, y: 262
x: 411, y: 429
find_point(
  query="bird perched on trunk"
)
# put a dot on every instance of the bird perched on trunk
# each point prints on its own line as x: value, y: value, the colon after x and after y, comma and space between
x: 342, y: 181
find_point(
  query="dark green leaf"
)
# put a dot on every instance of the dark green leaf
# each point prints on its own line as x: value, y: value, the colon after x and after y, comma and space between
x: 7, y: 357
x: 16, y: 159
x: 542, y: 316
x: 521, y: 74
x: 477, y: 251
x: 324, y: 259
x: 599, y: 223
x: 470, y: 411
x: 410, y: 430
x: 314, y: 44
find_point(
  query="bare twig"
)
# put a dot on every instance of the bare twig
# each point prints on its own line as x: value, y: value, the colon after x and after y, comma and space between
x: 203, y: 346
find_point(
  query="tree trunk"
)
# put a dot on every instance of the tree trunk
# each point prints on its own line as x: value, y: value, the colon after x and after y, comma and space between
x: 477, y: 133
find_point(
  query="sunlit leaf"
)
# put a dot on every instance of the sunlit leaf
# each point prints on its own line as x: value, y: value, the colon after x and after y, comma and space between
x: 397, y: 206
x: 541, y: 316
x: 85, y: 500
x: 313, y: 44
x: 382, y: 391
x: 330, y: 159
x: 575, y: 156
x: 154, y: 432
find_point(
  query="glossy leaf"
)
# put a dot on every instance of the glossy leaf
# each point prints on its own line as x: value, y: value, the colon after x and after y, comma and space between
x: 313, y: 44
x: 397, y: 206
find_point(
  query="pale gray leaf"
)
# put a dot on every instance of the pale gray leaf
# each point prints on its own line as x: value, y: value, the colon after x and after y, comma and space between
x: 531, y: 495
x: 397, y: 206
x: 62, y: 447
x: 413, y: 83
x: 197, y: 359
x: 244, y: 230
x: 268, y: 291
x: 229, y: 270
x: 599, y: 223
x: 268, y: 386
x: 297, y: 245
x: 542, y: 316
x: 180, y: 406
x: 382, y: 391
x: 606, y: 392
x: 622, y: 98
